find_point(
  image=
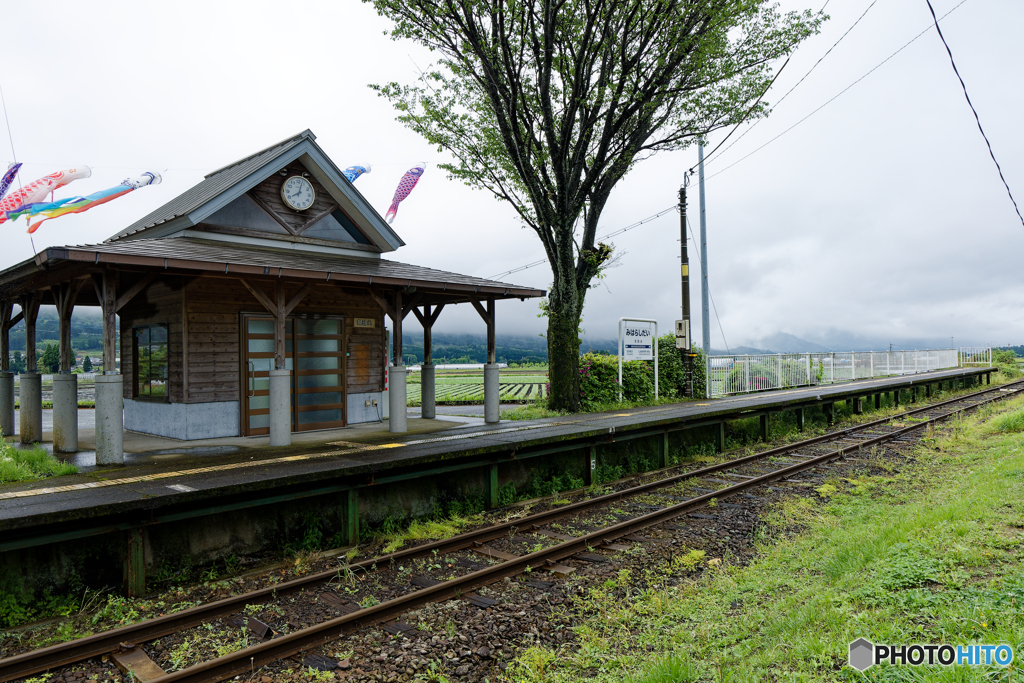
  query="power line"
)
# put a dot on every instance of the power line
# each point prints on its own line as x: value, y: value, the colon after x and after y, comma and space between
x: 754, y: 124
x: 602, y: 237
x: 834, y: 98
x: 975, y: 111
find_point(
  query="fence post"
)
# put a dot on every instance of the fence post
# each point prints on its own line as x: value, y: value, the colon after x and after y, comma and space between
x: 707, y: 370
x: 872, y: 364
x: 809, y: 368
x: 832, y: 369
x: 746, y: 371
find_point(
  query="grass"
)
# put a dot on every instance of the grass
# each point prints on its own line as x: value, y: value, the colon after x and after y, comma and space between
x: 929, y: 555
x: 427, y: 530
x: 24, y: 465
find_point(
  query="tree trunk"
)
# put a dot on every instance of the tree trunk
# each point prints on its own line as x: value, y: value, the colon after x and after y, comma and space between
x: 565, y: 307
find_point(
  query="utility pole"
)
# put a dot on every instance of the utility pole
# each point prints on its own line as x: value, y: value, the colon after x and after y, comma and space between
x: 683, y: 326
x: 705, y: 319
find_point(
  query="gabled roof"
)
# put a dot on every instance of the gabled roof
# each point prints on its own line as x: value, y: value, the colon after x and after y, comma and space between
x: 230, y: 182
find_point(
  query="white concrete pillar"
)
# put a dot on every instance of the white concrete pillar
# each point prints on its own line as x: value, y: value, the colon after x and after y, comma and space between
x: 397, y: 398
x: 110, y: 419
x: 280, y: 407
x: 7, y: 403
x: 492, y: 404
x: 31, y: 401
x: 65, y: 413
x: 427, y: 390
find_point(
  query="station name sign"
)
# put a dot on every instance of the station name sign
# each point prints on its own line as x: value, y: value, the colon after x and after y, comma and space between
x: 638, y: 342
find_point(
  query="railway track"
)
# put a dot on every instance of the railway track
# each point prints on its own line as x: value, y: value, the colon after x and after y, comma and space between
x: 716, y: 482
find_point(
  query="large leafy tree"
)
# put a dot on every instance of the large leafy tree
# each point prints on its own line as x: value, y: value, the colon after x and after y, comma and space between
x: 548, y: 104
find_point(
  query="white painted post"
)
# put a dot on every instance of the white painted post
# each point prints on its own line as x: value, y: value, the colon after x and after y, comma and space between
x: 397, y: 398
x: 65, y: 413
x: 110, y: 419
x: 492, y: 393
x: 427, y: 395
x: 280, y: 407
x: 7, y: 403
x: 31, y: 400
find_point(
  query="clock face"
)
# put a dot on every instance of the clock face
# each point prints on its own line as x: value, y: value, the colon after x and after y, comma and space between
x: 297, y: 192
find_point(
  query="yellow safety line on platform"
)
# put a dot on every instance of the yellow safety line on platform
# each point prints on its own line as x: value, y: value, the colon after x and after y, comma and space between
x: 352, y: 448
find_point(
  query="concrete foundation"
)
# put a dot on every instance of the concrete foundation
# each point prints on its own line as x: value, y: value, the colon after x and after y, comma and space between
x: 31, y: 400
x: 427, y: 391
x: 358, y: 412
x: 397, y: 397
x: 110, y: 419
x: 184, y: 421
x: 6, y: 403
x: 492, y: 405
x: 280, y: 407
x: 65, y: 413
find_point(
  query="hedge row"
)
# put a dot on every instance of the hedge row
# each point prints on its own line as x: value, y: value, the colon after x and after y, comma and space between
x: 600, y: 376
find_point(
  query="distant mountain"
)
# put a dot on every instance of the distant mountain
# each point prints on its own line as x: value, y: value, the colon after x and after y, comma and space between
x: 780, y: 342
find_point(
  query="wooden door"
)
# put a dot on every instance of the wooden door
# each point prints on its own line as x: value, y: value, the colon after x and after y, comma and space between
x: 314, y: 352
x: 318, y: 387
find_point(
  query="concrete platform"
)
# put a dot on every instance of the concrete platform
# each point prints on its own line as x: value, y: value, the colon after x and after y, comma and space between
x: 147, y: 448
x: 178, y: 481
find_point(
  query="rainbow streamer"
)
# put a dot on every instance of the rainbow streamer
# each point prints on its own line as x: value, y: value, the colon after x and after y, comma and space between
x: 38, y: 189
x: 5, y: 182
x: 63, y: 207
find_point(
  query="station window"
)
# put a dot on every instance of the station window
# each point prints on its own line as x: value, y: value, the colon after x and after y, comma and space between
x: 150, y: 361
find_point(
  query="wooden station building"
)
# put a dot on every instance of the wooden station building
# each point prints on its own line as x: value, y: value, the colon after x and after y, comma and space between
x: 254, y: 303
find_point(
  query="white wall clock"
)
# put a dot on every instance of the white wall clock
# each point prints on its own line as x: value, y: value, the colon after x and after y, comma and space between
x: 297, y: 193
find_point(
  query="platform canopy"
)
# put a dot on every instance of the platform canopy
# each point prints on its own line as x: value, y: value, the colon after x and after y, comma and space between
x: 238, y: 242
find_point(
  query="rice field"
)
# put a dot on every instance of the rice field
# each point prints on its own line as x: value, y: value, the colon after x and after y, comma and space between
x: 469, y: 389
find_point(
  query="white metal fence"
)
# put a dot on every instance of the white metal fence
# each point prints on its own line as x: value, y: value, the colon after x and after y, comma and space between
x: 745, y: 374
x: 975, y: 355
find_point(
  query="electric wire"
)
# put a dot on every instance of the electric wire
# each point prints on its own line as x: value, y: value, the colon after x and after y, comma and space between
x: 602, y: 237
x: 788, y: 92
x: 974, y: 111
x: 7, y: 120
x: 876, y: 67
x: 835, y: 97
x: 759, y: 98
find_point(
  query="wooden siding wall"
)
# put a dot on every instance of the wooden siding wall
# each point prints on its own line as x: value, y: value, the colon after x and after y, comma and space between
x: 213, y: 305
x: 160, y: 302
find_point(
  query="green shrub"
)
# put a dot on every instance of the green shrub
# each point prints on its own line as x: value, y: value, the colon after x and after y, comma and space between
x: 672, y: 372
x: 599, y: 376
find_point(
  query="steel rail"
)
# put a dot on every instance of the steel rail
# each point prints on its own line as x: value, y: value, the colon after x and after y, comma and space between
x: 294, y: 643
x: 102, y: 643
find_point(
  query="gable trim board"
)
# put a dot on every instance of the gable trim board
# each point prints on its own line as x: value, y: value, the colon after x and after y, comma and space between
x: 166, y: 220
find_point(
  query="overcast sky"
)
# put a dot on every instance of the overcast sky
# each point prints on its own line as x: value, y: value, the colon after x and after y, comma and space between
x: 881, y: 219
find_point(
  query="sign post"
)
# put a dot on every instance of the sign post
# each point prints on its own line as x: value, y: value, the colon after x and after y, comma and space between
x: 636, y: 342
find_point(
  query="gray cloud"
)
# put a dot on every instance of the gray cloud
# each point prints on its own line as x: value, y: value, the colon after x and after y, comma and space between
x: 879, y: 219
